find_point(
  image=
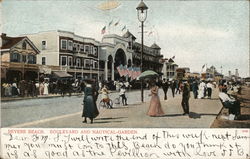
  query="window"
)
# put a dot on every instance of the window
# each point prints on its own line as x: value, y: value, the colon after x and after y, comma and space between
x: 87, y: 63
x: 78, y: 62
x: 43, y: 45
x: 31, y: 59
x: 70, y: 61
x: 24, y: 58
x: 64, y: 60
x: 95, y: 51
x: 78, y: 47
x: 74, y: 47
x: 15, y: 57
x: 81, y: 48
x: 24, y: 45
x: 86, y: 49
x: 96, y: 64
x: 70, y: 46
x: 43, y: 60
x: 64, y: 44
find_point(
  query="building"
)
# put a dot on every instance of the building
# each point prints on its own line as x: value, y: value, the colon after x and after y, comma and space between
x: 18, y: 59
x: 169, y: 69
x: 123, y: 50
x: 64, y: 52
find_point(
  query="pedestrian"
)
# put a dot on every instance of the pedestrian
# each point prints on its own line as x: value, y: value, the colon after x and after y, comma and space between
x: 89, y: 107
x: 105, y: 96
x: 95, y: 87
x: 201, y: 90
x: 41, y: 88
x: 209, y: 89
x: 122, y: 94
x: 155, y: 108
x: 165, y: 85
x: 195, y: 89
x: 173, y: 86
x: 46, y: 88
x: 185, y: 98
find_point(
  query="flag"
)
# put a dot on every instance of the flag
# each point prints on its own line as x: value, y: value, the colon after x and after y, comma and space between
x: 125, y: 70
x: 130, y: 71
x: 122, y: 70
x: 203, y: 66
x: 110, y: 23
x: 119, y: 69
x: 103, y: 30
x: 150, y: 33
x: 117, y: 23
x: 124, y: 27
x: 173, y: 57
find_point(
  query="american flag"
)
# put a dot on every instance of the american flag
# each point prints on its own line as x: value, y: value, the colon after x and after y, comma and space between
x: 119, y: 69
x: 125, y: 70
x: 130, y: 71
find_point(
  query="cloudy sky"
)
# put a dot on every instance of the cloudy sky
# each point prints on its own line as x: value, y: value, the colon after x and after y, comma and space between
x: 195, y: 32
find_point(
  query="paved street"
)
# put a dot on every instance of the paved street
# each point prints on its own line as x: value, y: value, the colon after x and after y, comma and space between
x: 62, y: 112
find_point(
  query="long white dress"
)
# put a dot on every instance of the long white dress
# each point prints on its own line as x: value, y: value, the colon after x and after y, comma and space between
x: 46, y: 89
x: 201, y: 90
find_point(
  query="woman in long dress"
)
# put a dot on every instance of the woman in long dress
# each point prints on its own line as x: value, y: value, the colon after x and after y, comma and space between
x: 89, y: 106
x: 155, y: 108
x: 46, y: 88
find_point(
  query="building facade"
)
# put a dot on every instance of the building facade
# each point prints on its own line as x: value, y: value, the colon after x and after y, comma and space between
x: 65, y: 51
x: 169, y: 69
x: 18, y: 59
x: 87, y: 58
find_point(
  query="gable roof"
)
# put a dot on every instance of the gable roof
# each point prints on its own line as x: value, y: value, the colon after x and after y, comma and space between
x: 10, y: 42
x: 155, y: 46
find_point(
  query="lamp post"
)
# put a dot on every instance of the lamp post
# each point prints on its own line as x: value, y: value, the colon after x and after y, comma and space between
x: 142, y: 16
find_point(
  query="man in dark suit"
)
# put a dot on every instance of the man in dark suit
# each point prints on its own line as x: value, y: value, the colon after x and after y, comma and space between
x: 185, y: 98
x: 165, y: 86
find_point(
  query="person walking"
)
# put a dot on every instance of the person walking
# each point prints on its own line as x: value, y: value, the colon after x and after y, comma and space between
x: 195, y: 89
x: 89, y: 107
x: 41, y: 88
x: 173, y: 86
x: 209, y: 89
x: 46, y: 88
x: 201, y: 90
x: 185, y: 98
x: 155, y: 108
x: 122, y: 94
x: 165, y: 85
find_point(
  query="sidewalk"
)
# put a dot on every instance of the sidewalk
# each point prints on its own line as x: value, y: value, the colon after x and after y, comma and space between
x: 202, y: 114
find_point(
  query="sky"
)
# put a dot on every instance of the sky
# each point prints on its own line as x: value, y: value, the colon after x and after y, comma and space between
x: 196, y: 32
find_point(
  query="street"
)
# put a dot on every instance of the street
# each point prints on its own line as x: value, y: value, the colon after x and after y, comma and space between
x: 65, y: 112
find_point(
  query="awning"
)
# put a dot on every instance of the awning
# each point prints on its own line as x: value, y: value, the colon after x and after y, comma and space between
x: 61, y: 74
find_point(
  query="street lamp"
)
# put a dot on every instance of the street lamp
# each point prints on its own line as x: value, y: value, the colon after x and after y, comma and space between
x: 142, y: 16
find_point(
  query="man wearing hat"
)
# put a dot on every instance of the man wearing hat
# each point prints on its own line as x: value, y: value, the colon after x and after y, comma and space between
x: 185, y: 98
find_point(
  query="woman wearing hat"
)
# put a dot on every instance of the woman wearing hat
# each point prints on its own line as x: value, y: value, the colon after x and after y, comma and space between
x: 155, y: 108
x: 89, y: 106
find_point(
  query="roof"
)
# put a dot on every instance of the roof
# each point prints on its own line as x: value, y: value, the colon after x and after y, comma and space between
x: 155, y: 46
x: 128, y: 34
x: 9, y: 42
x: 170, y: 60
x: 61, y: 74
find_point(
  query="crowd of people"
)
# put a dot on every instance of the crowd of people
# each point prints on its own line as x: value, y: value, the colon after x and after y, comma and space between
x: 201, y: 89
x: 28, y: 88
